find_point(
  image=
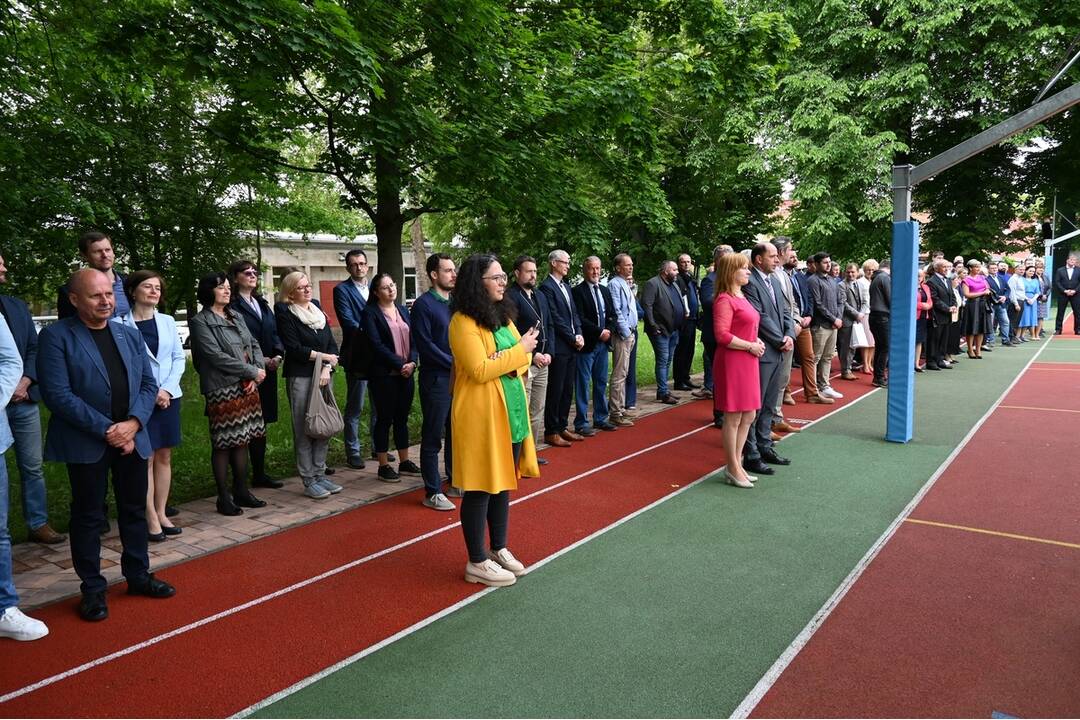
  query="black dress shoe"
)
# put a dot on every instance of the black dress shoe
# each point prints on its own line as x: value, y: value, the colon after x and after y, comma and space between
x: 928, y: 366
x: 228, y: 507
x: 92, y: 607
x: 248, y: 500
x: 684, y: 386
x: 880, y: 383
x: 607, y: 427
x: 772, y: 458
x: 356, y: 463
x: 585, y: 432
x: 541, y: 461
x: 267, y: 482
x: 758, y: 467
x: 156, y: 537
x: 171, y: 511
x: 152, y: 587
x: 330, y: 470
x: 172, y: 530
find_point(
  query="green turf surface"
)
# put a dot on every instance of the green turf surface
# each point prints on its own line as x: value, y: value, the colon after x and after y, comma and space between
x: 680, y: 611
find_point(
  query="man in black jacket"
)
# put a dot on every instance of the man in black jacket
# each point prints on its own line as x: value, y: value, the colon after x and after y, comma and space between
x: 598, y: 324
x: 825, y: 321
x: 943, y: 306
x: 880, y: 310
x: 1067, y: 287
x: 665, y: 311
x: 567, y: 340
x: 684, y: 352
x: 533, y: 312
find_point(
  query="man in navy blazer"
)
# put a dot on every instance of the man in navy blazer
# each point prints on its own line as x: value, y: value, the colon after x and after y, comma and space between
x: 776, y: 330
x: 97, y: 382
x: 25, y: 419
x: 350, y: 299
x: 567, y: 340
x: 533, y: 311
x: 598, y: 324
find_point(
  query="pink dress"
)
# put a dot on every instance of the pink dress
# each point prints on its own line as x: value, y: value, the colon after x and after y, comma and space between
x: 736, y: 383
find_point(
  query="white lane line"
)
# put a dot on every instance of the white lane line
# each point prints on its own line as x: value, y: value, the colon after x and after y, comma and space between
x: 473, y: 598
x: 309, y: 581
x: 773, y: 673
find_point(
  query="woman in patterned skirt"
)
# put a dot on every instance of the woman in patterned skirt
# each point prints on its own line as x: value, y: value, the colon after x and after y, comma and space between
x: 231, y: 367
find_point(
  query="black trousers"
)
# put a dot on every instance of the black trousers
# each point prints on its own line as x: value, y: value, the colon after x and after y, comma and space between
x: 392, y: 396
x: 89, y: 484
x: 936, y: 339
x: 684, y: 353
x: 879, y: 327
x: 1064, y: 302
x: 560, y: 391
x: 479, y: 508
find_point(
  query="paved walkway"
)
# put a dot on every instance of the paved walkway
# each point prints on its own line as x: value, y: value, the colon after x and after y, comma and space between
x: 43, y: 573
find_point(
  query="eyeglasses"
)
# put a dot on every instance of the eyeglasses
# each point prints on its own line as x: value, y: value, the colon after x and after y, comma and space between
x: 499, y: 279
x: 250, y: 272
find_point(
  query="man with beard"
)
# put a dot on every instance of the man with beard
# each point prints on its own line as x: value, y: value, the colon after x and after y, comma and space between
x: 533, y: 312
x: 430, y: 331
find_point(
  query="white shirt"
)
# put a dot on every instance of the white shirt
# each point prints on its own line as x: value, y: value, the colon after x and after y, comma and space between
x: 363, y: 288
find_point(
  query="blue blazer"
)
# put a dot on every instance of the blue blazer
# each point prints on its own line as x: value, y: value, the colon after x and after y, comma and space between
x: 803, y: 297
x: 169, y: 364
x: 384, y: 361
x: 75, y: 387
x: 564, y: 319
x: 349, y: 307
x: 264, y: 328
x: 21, y: 324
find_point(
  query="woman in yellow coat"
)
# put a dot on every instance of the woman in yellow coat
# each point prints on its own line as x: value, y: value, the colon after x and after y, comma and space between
x: 489, y: 416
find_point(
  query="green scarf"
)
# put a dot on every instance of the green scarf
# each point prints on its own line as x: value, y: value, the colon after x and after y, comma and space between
x: 517, y: 407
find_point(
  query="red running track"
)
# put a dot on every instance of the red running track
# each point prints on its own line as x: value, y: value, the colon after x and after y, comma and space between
x: 227, y: 664
x: 949, y: 622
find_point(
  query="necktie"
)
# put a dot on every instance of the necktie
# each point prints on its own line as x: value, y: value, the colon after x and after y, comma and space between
x: 772, y: 292
x: 599, y: 305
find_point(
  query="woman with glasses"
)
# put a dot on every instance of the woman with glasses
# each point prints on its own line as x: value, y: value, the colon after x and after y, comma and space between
x: 248, y: 303
x: 231, y: 367
x: 390, y: 375
x: 307, y: 338
x: 493, y: 445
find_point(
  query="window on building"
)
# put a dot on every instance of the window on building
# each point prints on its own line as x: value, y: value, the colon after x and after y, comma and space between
x: 410, y: 283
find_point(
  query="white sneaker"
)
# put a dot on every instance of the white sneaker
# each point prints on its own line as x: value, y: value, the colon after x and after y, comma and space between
x: 489, y: 573
x: 508, y: 561
x: 15, y: 625
x: 438, y: 501
x: 829, y: 392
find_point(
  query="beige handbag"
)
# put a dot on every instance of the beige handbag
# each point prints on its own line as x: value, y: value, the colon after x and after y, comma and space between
x: 322, y: 420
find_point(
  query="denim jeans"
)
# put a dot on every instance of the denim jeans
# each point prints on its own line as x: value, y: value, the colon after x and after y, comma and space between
x: 435, y: 404
x: 592, y: 369
x: 356, y: 388
x: 1001, y: 319
x: 664, y: 348
x: 8, y: 596
x: 25, y: 421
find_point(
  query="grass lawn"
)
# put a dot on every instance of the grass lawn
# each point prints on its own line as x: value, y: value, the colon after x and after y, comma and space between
x: 192, y: 478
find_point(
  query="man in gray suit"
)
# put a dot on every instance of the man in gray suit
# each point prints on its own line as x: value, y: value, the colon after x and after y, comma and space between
x: 665, y: 312
x: 849, y: 304
x: 777, y: 331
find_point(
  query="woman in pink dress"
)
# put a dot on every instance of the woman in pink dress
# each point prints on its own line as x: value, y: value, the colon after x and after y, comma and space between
x: 736, y: 387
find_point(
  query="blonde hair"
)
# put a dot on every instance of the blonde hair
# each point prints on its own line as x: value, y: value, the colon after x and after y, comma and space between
x: 727, y: 268
x: 289, y: 284
x: 871, y: 265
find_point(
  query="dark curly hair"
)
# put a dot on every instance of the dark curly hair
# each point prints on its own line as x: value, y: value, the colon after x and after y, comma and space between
x: 205, y: 293
x: 471, y: 298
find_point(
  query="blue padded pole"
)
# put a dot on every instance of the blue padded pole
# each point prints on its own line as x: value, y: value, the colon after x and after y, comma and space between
x: 900, y: 415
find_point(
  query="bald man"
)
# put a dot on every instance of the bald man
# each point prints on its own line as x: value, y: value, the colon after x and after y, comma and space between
x: 96, y: 380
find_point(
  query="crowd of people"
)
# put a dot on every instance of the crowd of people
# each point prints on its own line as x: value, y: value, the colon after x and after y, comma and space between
x: 500, y: 360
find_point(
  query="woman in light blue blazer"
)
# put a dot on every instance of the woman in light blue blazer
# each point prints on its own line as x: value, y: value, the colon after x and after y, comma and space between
x: 144, y: 289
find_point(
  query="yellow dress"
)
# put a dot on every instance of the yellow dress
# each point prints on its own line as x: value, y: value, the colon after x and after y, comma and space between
x: 480, y: 428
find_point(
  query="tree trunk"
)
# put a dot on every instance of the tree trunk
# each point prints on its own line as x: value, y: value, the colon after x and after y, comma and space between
x: 416, y: 234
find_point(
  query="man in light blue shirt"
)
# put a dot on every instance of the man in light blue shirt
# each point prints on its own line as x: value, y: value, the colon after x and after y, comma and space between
x: 622, y: 345
x: 13, y: 624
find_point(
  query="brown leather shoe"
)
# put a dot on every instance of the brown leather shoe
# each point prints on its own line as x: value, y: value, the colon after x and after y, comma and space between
x: 571, y: 435
x: 622, y: 422
x: 820, y: 400
x: 555, y: 440
x: 848, y: 376
x: 46, y: 536
x: 783, y: 426
x: 789, y: 399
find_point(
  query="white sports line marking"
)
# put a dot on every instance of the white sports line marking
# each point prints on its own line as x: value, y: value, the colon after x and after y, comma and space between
x: 309, y: 581
x: 773, y: 674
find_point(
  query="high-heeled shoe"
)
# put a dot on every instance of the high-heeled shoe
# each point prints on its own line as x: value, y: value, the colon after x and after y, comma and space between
x: 171, y: 530
x: 155, y: 537
x: 248, y: 500
x: 227, y: 507
x: 732, y: 480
